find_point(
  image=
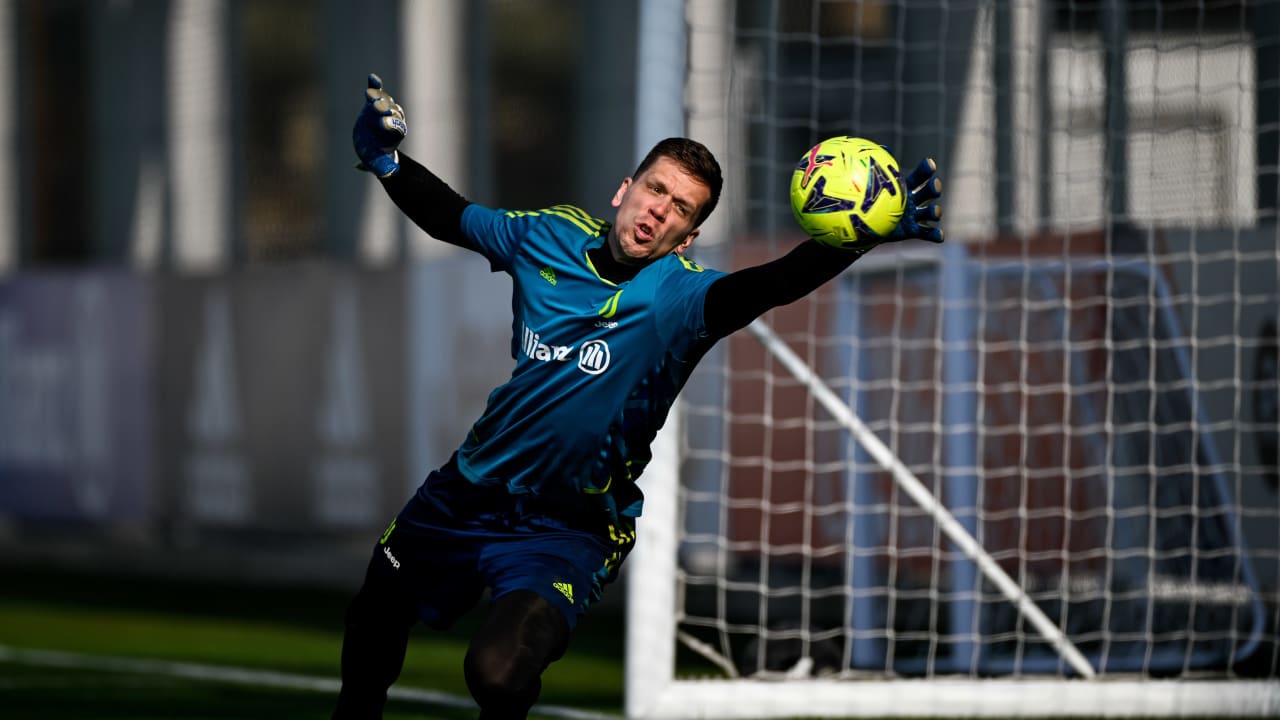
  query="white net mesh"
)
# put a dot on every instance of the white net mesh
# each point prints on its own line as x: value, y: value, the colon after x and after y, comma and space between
x: 1078, y: 378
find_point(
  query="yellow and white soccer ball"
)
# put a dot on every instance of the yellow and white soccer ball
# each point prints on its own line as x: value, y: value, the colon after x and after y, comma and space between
x: 847, y: 192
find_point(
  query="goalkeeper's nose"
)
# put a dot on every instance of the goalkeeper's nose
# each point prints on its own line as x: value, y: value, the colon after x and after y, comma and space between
x: 660, y: 209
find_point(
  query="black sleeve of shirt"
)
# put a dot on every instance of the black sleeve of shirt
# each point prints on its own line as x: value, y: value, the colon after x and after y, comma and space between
x: 430, y: 203
x: 736, y: 299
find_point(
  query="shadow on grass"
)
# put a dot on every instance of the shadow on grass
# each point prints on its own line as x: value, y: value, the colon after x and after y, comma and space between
x: 590, y: 676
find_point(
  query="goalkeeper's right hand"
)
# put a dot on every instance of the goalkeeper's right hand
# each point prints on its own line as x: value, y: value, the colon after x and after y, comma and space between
x: 380, y: 127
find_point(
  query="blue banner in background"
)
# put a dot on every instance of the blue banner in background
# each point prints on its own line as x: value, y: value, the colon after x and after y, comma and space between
x: 75, y: 401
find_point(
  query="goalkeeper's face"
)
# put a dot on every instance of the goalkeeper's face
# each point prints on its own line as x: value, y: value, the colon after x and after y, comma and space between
x: 658, y: 212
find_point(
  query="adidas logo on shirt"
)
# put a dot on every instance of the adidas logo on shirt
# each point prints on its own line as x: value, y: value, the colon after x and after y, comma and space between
x: 565, y: 589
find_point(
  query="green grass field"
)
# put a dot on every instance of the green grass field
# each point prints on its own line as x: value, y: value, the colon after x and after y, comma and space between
x: 88, y: 646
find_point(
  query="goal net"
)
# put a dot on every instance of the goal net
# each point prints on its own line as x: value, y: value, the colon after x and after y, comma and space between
x: 1032, y: 471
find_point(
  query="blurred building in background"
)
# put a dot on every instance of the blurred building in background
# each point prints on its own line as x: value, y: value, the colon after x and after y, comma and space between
x: 216, y: 336
x: 195, y: 135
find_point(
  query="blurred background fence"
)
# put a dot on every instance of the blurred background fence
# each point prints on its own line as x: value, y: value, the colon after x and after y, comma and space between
x: 221, y: 344
x: 222, y: 350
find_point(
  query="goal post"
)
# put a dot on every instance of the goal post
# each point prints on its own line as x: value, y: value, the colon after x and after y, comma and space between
x: 1028, y: 472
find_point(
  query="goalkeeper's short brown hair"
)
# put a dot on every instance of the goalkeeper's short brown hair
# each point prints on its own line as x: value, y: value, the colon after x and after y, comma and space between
x: 695, y: 159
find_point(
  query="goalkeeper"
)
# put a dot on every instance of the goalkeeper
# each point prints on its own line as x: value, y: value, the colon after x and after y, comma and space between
x: 538, y: 504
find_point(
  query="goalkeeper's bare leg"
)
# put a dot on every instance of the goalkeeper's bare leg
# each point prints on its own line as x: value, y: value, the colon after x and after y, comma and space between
x: 523, y: 634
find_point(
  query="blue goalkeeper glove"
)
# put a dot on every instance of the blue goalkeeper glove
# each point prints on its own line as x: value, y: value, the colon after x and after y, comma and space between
x: 923, y: 211
x: 379, y: 128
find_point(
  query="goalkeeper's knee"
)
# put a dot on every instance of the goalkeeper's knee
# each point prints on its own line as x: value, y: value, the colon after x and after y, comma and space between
x: 522, y: 636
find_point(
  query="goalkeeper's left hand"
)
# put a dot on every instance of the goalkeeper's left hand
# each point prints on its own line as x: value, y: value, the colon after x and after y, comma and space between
x: 379, y: 128
x: 919, y: 220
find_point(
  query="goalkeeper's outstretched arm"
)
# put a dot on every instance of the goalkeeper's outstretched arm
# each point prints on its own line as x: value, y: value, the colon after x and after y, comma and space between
x: 428, y: 201
x: 738, y: 298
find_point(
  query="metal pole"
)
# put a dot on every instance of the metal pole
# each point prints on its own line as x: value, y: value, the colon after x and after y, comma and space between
x: 660, y: 73
x: 1115, y: 36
